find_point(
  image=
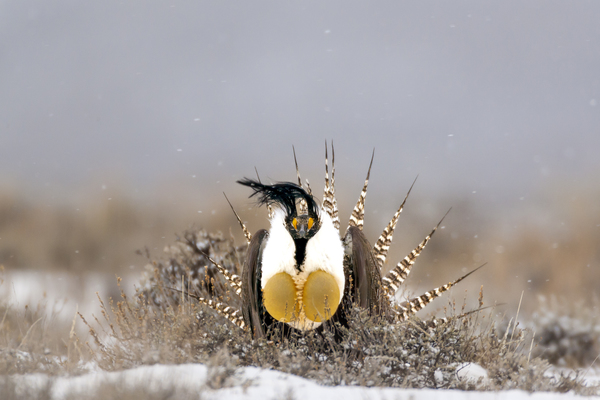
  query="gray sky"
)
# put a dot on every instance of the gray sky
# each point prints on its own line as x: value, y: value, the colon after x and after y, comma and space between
x: 497, y: 98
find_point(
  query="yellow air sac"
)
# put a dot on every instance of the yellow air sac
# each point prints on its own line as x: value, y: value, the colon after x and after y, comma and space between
x: 279, y: 297
x: 321, y: 296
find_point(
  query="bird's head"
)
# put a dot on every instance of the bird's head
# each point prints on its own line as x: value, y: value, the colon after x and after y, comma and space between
x: 301, y: 209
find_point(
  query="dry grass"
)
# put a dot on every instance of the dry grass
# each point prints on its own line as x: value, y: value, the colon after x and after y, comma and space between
x: 33, y: 340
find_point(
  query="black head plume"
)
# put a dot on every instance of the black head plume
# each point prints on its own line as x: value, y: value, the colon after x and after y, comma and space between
x: 284, y: 194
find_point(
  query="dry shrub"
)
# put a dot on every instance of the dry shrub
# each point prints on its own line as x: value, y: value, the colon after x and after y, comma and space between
x: 161, y: 326
x: 568, y: 333
x: 188, y: 268
x: 141, y: 332
x: 33, y: 340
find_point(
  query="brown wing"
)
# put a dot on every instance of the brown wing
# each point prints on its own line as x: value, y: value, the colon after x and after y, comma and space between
x: 252, y: 307
x: 365, y: 288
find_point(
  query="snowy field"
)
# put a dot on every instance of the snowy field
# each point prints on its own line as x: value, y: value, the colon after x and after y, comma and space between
x: 247, y: 383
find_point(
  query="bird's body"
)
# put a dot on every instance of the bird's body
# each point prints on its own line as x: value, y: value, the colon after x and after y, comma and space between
x: 299, y: 258
x: 302, y: 275
x: 299, y: 263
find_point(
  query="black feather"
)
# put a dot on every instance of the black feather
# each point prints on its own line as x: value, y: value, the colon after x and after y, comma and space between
x: 284, y: 194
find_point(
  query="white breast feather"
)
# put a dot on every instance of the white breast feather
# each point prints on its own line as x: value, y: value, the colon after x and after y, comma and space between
x: 325, y: 252
x: 278, y: 255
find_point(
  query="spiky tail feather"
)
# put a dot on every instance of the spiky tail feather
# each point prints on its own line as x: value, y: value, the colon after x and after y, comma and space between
x: 302, y: 204
x: 308, y: 189
x: 247, y: 234
x: 297, y: 170
x: 329, y: 200
x: 336, y: 216
x: 234, y: 281
x: 358, y: 214
x: 233, y: 315
x: 435, y: 322
x: 394, y: 278
x: 407, y: 308
x: 385, y: 240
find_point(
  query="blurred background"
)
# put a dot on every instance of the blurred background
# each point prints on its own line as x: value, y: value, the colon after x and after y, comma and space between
x: 122, y: 123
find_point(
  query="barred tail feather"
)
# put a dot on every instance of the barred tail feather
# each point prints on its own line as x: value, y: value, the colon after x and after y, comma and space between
x: 435, y: 322
x: 385, y: 240
x: 358, y: 214
x: 247, y: 234
x: 297, y: 170
x: 308, y: 189
x: 336, y: 217
x: 329, y: 200
x: 234, y: 281
x: 415, y: 304
x: 394, y: 278
x: 302, y: 204
x: 233, y: 315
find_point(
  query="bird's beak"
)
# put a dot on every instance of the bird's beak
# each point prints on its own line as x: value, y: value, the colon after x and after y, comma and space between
x: 303, y: 228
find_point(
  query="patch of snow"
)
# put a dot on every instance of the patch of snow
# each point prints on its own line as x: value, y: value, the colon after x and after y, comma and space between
x: 590, y: 376
x: 253, y: 383
x: 471, y: 371
x: 438, y: 376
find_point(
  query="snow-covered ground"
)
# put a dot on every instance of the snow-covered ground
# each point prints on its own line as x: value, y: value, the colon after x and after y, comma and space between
x: 247, y: 383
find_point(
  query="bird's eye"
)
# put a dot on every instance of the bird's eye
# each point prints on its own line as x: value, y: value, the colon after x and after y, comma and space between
x: 295, y: 223
x: 310, y: 223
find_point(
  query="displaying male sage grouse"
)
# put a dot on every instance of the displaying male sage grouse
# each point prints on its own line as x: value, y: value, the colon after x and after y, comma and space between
x: 301, y: 274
